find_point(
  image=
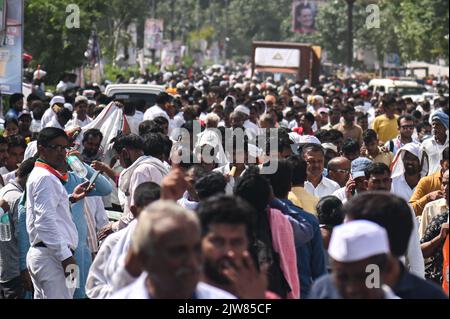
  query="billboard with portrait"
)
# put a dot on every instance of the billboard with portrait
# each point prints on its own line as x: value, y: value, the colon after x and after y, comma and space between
x: 304, y: 13
x: 11, y: 43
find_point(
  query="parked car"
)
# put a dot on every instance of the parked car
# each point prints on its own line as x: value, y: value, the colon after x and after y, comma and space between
x: 134, y: 92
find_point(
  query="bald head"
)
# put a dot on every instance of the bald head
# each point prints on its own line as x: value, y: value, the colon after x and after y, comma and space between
x: 339, y: 170
x: 157, y: 220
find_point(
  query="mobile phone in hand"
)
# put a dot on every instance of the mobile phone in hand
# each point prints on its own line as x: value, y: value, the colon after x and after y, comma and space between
x: 93, y: 178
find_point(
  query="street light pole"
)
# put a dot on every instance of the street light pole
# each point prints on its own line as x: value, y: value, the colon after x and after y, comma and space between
x: 350, y: 4
x: 226, y: 31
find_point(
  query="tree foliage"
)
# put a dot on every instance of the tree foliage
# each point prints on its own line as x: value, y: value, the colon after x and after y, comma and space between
x: 415, y: 29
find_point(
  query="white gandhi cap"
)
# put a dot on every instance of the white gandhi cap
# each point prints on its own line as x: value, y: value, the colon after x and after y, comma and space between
x: 358, y: 240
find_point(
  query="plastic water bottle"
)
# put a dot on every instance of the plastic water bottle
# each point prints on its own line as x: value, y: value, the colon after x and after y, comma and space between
x: 5, y: 226
x: 77, y: 166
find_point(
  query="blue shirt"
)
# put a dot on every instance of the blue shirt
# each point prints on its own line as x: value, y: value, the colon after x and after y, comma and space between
x: 82, y: 253
x: 310, y: 256
x: 409, y: 286
x: 11, y: 114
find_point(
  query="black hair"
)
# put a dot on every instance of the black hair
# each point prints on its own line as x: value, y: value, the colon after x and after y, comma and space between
x: 335, y: 135
x: 311, y: 147
x: 11, y: 120
x: 26, y: 167
x: 369, y: 136
x: 93, y: 132
x: 254, y: 188
x: 33, y: 97
x: 163, y: 98
x: 329, y: 211
x: 350, y: 146
x: 388, y: 100
x: 38, y: 112
x: 146, y: 193
x: 198, y: 171
x: 348, y: 108
x: 167, y: 146
x: 14, y: 98
x: 445, y: 154
x: 323, y: 136
x: 362, y: 117
x: 226, y: 210
x: 149, y: 126
x: 422, y: 125
x: 210, y: 185
x: 376, y: 169
x: 131, y: 141
x: 298, y: 170
x: 154, y: 145
x: 65, y: 114
x: 281, y: 180
x: 48, y: 134
x: 161, y: 120
x: 407, y: 117
x: 309, y: 117
x: 16, y: 141
x: 387, y: 210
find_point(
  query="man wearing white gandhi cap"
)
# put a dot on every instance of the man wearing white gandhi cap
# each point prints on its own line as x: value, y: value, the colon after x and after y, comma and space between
x: 360, y: 253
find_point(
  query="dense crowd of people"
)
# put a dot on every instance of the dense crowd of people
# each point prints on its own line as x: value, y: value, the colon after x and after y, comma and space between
x: 226, y: 187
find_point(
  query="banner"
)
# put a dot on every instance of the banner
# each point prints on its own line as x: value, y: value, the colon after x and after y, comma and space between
x: 153, y: 35
x: 304, y: 13
x: 11, y: 44
x: 282, y: 58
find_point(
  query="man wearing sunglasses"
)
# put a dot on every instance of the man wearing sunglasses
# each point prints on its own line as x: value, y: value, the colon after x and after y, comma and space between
x: 52, y: 232
x: 406, y: 129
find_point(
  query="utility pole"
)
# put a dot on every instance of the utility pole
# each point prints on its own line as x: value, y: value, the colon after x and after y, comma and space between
x: 225, y: 45
x: 350, y: 4
x: 172, y: 17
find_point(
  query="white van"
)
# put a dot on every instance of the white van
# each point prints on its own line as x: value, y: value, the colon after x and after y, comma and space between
x: 402, y: 87
x: 135, y: 92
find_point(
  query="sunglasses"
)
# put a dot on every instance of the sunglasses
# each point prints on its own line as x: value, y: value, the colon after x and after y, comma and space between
x: 59, y: 148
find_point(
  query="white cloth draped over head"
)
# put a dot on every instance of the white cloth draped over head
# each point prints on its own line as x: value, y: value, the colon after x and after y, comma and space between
x: 212, y: 138
x: 110, y: 122
x: 126, y: 174
x: 398, y: 167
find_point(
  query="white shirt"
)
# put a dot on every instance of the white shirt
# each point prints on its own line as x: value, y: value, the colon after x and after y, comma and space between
x: 154, y: 112
x: 54, y: 123
x: 133, y: 122
x: 97, y: 210
x: 31, y: 150
x: 434, y: 152
x: 138, y: 290
x: 186, y: 203
x: 49, y: 114
x: 9, y: 177
x: 397, y: 144
x: 401, y: 188
x: 48, y: 214
x: 414, y: 258
x: 35, y: 126
x: 326, y: 187
x: 224, y: 170
x: 99, y: 283
x: 139, y: 116
x: 341, y: 194
x: 4, y: 171
x: 251, y: 129
x: 144, y: 172
x: 75, y: 122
